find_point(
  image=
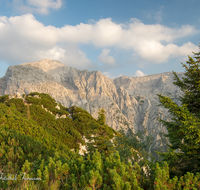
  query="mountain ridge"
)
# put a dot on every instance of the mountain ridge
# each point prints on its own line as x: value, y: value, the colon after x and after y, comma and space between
x: 129, y: 102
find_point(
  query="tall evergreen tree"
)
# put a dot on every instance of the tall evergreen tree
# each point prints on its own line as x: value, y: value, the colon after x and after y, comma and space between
x: 101, y: 118
x: 184, y: 133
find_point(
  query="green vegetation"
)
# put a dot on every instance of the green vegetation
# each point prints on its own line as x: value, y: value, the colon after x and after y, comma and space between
x: 35, y: 151
x: 184, y: 130
x: 36, y: 146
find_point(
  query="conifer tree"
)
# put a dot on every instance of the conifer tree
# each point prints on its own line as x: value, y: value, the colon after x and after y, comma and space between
x: 101, y: 118
x: 184, y: 133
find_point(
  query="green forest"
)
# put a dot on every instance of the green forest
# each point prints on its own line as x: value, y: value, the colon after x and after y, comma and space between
x: 41, y: 139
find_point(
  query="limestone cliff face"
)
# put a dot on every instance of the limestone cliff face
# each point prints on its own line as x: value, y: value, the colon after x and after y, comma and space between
x: 129, y: 102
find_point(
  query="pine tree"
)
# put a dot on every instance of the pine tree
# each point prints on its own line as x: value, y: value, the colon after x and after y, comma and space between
x: 191, y: 85
x: 101, y: 118
x: 184, y: 132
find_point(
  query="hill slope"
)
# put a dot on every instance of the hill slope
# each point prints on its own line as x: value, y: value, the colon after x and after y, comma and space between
x: 41, y: 118
x: 37, y: 133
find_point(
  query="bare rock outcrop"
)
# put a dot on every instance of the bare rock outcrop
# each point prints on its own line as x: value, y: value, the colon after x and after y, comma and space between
x: 129, y: 102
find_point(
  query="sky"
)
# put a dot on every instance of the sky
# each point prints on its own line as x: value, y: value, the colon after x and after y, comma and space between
x: 117, y: 37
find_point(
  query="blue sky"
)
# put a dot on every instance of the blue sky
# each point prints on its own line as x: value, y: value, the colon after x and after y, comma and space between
x: 119, y: 38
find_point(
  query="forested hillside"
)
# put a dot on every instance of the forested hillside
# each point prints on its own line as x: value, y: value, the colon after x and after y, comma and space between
x: 40, y: 117
x: 41, y: 141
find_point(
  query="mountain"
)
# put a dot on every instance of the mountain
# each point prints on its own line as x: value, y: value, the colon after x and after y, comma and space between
x: 129, y: 102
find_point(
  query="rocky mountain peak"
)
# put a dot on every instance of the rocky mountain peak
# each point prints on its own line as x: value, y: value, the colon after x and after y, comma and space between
x: 45, y: 64
x: 129, y: 102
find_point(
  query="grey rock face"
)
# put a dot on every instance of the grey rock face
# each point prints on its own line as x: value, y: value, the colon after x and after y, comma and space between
x: 129, y: 102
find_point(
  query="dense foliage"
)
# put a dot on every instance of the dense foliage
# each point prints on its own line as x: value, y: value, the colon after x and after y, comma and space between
x: 30, y: 130
x: 36, y: 146
x: 184, y: 131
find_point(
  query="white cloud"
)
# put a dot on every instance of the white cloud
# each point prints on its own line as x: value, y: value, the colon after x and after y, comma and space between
x: 38, y: 6
x: 105, y: 58
x: 55, y: 53
x: 102, y: 33
x: 107, y: 74
x: 139, y: 73
x: 75, y: 57
x: 23, y: 38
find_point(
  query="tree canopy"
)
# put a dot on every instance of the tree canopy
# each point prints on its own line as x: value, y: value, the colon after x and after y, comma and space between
x: 184, y: 131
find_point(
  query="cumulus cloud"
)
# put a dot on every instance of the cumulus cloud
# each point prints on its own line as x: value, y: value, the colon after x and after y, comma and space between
x: 107, y: 74
x: 55, y: 53
x: 105, y: 58
x: 38, y: 6
x: 139, y: 73
x: 145, y: 40
x: 23, y: 38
